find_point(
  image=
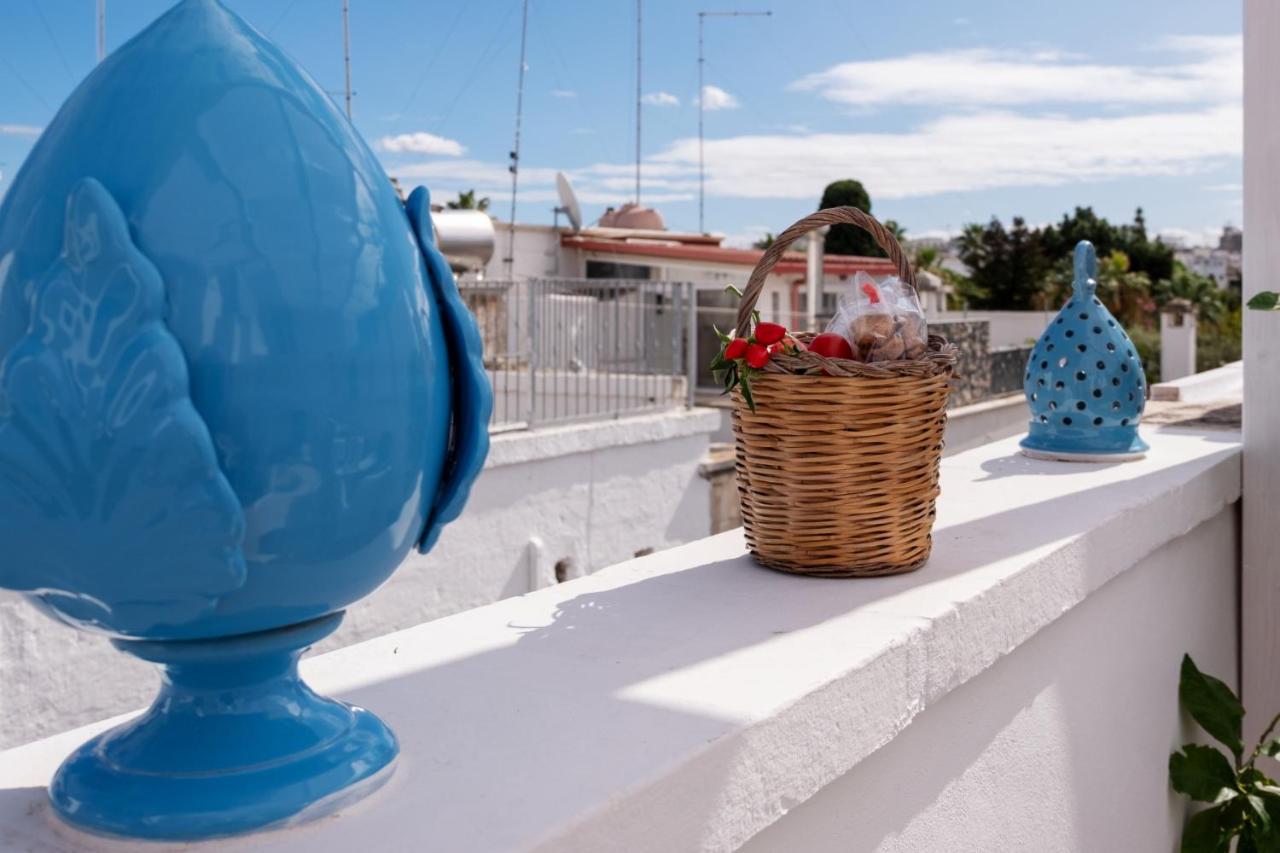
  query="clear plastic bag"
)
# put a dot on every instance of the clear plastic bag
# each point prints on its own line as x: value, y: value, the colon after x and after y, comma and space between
x: 882, y: 322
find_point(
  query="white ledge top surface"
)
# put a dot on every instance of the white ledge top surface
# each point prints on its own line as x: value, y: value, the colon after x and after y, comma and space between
x: 685, y: 700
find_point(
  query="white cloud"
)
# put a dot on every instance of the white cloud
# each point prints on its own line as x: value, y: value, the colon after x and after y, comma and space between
x: 601, y: 183
x: 20, y: 130
x: 963, y: 153
x: 1208, y: 69
x: 421, y: 143
x: 980, y: 146
x: 968, y: 152
x: 1188, y: 237
x: 563, y: 93
x: 715, y: 98
x: 661, y: 99
x: 747, y: 236
x: 466, y: 172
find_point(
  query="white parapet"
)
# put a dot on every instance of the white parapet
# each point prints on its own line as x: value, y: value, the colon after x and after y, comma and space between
x: 590, y: 494
x: 1177, y: 341
x: 1017, y: 693
x: 1221, y: 383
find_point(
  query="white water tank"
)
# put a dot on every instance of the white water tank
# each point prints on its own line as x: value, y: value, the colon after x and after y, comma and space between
x: 465, y: 238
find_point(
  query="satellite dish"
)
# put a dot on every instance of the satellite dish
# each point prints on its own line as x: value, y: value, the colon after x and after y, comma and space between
x: 568, y: 201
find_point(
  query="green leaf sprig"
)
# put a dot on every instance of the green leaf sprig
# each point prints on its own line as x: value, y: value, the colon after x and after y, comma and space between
x: 1244, y: 801
x: 744, y: 352
x: 1268, y: 300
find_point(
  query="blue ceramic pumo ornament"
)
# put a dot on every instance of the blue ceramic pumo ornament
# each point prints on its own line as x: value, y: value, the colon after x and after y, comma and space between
x: 1084, y: 380
x: 237, y: 387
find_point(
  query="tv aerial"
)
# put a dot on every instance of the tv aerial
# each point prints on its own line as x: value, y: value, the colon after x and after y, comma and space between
x: 568, y: 203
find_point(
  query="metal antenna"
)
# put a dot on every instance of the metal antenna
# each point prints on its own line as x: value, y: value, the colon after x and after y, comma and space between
x: 639, y: 76
x: 514, y: 168
x: 702, y: 170
x: 102, y: 29
x: 346, y: 50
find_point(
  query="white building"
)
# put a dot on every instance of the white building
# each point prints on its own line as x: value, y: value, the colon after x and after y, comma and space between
x: 542, y: 251
x: 1222, y: 263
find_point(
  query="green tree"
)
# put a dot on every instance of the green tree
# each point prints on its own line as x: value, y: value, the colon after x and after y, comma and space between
x: 1201, y: 291
x: 766, y: 241
x: 467, y: 201
x: 1125, y: 291
x: 1008, y: 266
x: 963, y: 291
x: 848, y: 239
x: 1146, y: 256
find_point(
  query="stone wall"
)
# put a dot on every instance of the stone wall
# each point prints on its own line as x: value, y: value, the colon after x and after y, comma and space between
x: 973, y: 373
x: 1008, y: 366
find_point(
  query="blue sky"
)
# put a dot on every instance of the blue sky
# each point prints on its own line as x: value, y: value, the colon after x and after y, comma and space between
x: 948, y: 112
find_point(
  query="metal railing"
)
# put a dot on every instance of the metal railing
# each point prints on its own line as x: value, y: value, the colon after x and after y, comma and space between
x: 563, y: 350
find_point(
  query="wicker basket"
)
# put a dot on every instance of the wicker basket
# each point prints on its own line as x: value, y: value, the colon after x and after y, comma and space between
x: 838, y: 473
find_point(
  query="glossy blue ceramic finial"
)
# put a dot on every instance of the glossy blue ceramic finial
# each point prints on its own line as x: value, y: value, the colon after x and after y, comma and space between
x: 237, y: 388
x: 1084, y: 380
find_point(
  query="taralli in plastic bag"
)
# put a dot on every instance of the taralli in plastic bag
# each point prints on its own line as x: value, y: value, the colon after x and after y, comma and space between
x: 882, y: 322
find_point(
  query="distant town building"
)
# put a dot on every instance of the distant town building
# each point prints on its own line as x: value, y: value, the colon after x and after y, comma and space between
x: 601, y: 251
x: 1222, y: 264
x: 1232, y: 240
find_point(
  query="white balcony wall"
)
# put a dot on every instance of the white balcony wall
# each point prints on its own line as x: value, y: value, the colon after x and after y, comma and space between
x: 1018, y: 693
x: 1061, y: 747
x: 1008, y: 328
x: 582, y: 496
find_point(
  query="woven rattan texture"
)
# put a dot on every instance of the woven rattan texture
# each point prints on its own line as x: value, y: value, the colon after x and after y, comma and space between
x: 838, y: 473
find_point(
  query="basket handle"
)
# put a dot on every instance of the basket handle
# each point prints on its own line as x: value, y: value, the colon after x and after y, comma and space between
x: 831, y: 216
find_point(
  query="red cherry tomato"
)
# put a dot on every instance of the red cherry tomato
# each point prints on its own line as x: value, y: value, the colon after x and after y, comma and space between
x: 831, y: 345
x: 757, y: 356
x: 736, y: 349
x: 769, y: 333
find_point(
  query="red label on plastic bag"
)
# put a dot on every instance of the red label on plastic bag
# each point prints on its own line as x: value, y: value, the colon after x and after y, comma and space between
x: 872, y: 294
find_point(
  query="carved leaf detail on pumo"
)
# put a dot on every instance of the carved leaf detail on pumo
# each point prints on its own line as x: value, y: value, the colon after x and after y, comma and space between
x: 472, y: 391
x: 112, y: 505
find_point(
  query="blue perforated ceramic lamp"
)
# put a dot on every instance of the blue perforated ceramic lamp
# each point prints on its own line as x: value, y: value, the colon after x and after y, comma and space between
x: 237, y: 387
x: 1084, y: 380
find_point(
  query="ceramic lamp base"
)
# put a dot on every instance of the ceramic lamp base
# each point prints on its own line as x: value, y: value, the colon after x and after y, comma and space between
x: 1064, y: 456
x: 235, y: 742
x: 1083, y: 444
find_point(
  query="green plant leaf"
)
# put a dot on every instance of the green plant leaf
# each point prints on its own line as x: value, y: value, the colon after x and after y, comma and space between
x: 1259, y: 815
x: 1266, y: 301
x: 1254, y: 776
x: 1246, y: 843
x: 724, y: 337
x: 1271, y: 748
x: 1202, y: 773
x: 1267, y: 840
x: 1204, y: 832
x: 745, y: 382
x: 1213, y: 705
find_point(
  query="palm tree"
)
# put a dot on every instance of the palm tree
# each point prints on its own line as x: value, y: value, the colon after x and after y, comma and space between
x: 467, y: 201
x: 963, y: 292
x: 1201, y: 291
x: 1127, y: 294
